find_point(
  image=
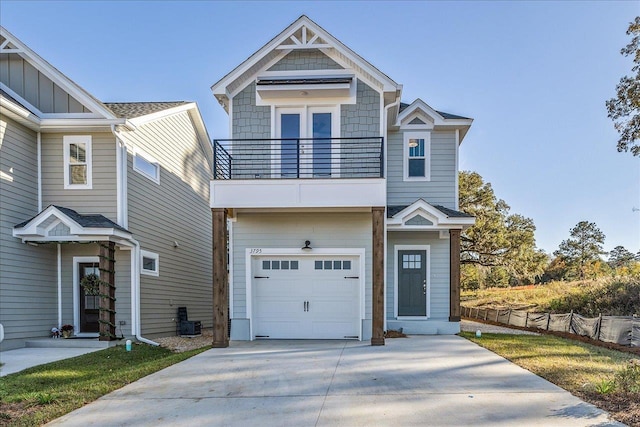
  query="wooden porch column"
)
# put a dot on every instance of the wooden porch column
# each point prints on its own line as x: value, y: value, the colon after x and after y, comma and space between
x: 454, y: 275
x: 377, y: 315
x: 107, y: 289
x: 220, y: 279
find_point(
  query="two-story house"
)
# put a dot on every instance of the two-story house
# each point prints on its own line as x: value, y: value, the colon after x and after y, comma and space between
x: 341, y: 201
x: 119, y: 190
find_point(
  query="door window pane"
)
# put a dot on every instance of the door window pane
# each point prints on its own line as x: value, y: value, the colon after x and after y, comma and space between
x: 321, y: 147
x: 289, y: 132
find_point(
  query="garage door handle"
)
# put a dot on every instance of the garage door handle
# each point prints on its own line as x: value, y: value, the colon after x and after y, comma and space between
x: 260, y: 277
x: 351, y: 277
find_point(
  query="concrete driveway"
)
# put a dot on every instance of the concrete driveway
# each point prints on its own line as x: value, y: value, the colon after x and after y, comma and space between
x: 420, y: 380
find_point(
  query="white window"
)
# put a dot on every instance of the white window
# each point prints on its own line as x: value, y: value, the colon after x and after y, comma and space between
x: 77, y: 161
x: 417, y: 153
x: 146, y: 165
x: 150, y: 263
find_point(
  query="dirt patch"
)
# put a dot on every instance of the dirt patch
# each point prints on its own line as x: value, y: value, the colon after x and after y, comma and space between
x: 391, y: 333
x: 623, y: 407
x: 181, y: 344
x: 11, y: 412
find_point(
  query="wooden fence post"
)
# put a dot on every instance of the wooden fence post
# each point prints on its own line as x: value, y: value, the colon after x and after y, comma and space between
x: 599, y: 327
x: 548, y: 320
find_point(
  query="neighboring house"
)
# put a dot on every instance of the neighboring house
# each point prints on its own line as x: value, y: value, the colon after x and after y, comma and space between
x: 85, y: 183
x: 342, y: 202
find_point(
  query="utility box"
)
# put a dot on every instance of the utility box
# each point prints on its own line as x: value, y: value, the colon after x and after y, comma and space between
x: 186, y: 326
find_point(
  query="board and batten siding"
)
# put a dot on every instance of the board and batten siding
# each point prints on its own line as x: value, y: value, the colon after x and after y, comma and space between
x: 438, y: 275
x: 36, y: 88
x: 28, y: 273
x: 175, y: 210
x: 440, y: 190
x: 290, y: 230
x: 102, y: 197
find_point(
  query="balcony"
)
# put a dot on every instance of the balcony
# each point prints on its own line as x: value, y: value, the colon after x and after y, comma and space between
x: 300, y: 172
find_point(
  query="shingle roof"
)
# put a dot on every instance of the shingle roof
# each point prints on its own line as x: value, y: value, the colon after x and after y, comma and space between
x: 131, y: 110
x: 404, y: 105
x: 85, y: 220
x: 451, y: 213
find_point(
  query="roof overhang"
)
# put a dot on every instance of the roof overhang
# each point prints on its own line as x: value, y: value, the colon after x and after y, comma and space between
x: 53, y: 225
x: 422, y: 216
x: 303, y: 34
x: 431, y: 119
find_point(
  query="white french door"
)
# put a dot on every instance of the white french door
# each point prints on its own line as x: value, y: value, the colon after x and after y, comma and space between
x: 305, y: 150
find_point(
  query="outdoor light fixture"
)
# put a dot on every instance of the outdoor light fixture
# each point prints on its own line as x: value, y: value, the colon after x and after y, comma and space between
x: 413, y: 143
x: 306, y: 246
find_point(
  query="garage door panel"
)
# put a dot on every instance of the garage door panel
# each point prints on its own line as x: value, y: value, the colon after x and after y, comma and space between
x: 315, y: 300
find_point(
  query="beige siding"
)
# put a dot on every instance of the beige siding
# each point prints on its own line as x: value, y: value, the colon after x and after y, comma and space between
x: 36, y: 88
x: 440, y: 190
x: 102, y: 197
x: 176, y: 210
x: 28, y: 290
x: 438, y: 274
x: 290, y: 230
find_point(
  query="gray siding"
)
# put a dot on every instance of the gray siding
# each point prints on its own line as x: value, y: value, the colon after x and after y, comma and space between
x: 290, y: 230
x: 440, y: 190
x: 438, y: 275
x: 363, y: 117
x: 36, y: 88
x: 176, y: 210
x: 28, y: 290
x: 305, y: 60
x: 249, y: 120
x: 102, y: 197
x: 123, y: 284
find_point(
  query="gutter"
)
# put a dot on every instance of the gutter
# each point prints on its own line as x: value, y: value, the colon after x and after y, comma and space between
x: 135, y: 294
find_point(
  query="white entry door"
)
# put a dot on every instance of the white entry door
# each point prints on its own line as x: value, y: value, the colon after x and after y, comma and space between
x: 306, y: 297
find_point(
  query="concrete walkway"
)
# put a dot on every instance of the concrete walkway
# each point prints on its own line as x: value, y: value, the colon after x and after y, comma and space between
x: 23, y: 358
x: 420, y: 380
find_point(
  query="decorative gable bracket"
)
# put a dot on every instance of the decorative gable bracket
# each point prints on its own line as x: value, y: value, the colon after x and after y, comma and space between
x: 422, y: 216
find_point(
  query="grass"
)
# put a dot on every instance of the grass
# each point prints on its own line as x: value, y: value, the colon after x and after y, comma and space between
x: 43, y: 393
x: 584, y: 370
x: 618, y: 296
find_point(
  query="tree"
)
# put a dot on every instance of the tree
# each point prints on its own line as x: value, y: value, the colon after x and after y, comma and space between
x: 624, y: 109
x: 500, y: 246
x: 584, y: 247
x: 621, y: 257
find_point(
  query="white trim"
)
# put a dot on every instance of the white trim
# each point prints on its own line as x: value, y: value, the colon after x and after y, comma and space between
x: 258, y: 252
x: 152, y: 255
x: 230, y: 259
x: 76, y: 294
x: 457, y: 171
x: 426, y: 136
x: 67, y: 140
x: 396, y: 279
x: 39, y: 154
x: 119, y: 187
x: 439, y: 219
x: 138, y: 153
x: 59, y: 284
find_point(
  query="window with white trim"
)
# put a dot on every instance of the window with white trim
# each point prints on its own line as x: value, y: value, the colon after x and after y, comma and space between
x: 146, y: 165
x: 150, y: 263
x: 77, y: 162
x: 417, y: 153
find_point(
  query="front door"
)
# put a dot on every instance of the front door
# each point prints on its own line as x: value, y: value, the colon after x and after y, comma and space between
x: 305, y: 150
x: 89, y: 304
x: 412, y: 283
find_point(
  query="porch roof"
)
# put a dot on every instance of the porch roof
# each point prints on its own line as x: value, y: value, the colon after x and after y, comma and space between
x: 60, y: 224
x: 423, y: 215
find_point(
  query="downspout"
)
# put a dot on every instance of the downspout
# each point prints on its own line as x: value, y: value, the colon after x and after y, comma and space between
x: 135, y: 294
x: 386, y: 236
x: 39, y: 148
x: 59, y: 284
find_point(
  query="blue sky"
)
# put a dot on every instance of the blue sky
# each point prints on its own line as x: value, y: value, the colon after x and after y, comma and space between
x: 533, y: 75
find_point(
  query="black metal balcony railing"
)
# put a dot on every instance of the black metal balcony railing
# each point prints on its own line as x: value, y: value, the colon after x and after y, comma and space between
x: 291, y: 158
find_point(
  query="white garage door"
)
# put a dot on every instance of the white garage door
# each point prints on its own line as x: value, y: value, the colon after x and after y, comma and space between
x: 306, y: 297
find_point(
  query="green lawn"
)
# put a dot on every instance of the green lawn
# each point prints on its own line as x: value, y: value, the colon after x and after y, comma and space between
x: 43, y: 393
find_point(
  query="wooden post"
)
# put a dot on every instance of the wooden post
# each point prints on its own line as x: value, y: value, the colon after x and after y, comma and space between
x: 107, y: 289
x: 220, y: 279
x: 454, y: 275
x: 377, y: 317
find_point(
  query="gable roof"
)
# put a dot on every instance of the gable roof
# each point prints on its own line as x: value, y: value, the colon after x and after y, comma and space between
x: 404, y: 106
x: 287, y: 41
x: 60, y: 224
x: 438, y: 217
x: 436, y: 119
x: 131, y: 110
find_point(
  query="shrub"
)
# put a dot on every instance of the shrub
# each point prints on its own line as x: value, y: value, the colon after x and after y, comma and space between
x: 628, y: 378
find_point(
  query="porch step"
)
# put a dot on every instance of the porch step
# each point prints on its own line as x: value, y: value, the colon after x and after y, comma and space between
x: 69, y: 343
